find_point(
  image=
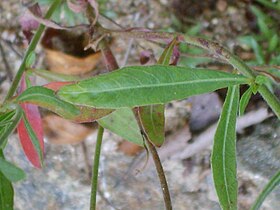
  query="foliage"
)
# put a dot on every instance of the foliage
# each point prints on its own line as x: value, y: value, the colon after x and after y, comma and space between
x: 134, y: 97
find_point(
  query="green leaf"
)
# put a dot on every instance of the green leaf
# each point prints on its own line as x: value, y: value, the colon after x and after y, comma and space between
x: 145, y: 85
x: 10, y: 171
x: 263, y: 21
x: 46, y: 98
x: 270, y: 4
x: 274, y: 182
x: 223, y: 158
x: 244, y: 101
x: 123, y: 123
x: 152, y: 121
x: 6, y: 191
x: 8, y: 123
x: 167, y: 53
x: 261, y: 79
x: 273, y: 43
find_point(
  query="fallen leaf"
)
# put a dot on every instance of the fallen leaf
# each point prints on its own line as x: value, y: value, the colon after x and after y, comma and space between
x: 65, y: 52
x: 61, y: 131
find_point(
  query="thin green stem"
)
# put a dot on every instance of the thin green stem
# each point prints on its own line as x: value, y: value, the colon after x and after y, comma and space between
x: 30, y: 48
x: 94, y: 179
x: 271, y: 99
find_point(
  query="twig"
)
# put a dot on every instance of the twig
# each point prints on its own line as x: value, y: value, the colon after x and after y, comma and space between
x: 94, y: 180
x: 7, y: 66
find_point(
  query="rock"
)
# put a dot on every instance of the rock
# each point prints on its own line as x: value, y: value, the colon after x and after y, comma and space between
x: 258, y: 160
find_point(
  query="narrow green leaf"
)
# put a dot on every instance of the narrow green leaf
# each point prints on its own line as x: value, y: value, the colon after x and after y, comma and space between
x: 6, y: 191
x: 167, y: 53
x: 34, y: 139
x: 264, y: 22
x: 46, y: 98
x: 273, y: 43
x: 9, y: 122
x: 152, y: 120
x: 123, y: 123
x: 145, y: 85
x: 274, y: 182
x: 244, y: 101
x: 10, y: 171
x: 223, y: 158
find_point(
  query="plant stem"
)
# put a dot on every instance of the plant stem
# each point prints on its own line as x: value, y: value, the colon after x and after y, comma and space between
x: 30, y: 48
x: 94, y: 179
x: 161, y: 175
x: 271, y: 99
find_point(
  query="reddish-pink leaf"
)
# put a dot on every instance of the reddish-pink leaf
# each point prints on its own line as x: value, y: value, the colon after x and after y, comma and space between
x: 33, y: 116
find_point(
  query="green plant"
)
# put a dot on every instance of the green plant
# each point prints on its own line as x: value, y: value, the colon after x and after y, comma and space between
x: 121, y: 95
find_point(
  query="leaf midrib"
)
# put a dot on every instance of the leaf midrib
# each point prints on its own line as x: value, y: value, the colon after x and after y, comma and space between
x: 224, y: 145
x: 152, y: 85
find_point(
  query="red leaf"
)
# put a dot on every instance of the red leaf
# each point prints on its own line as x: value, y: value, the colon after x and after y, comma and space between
x: 33, y: 116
